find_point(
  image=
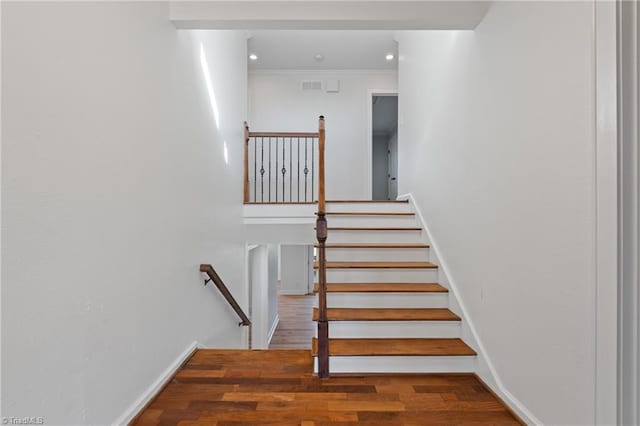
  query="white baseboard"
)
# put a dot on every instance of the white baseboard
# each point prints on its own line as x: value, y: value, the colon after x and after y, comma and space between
x: 273, y: 329
x: 132, y: 411
x: 493, y: 381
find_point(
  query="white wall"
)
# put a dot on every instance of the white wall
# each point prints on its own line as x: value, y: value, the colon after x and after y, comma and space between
x: 115, y: 187
x: 258, y: 281
x: 296, y: 269
x: 497, y: 147
x: 263, y: 278
x: 279, y: 261
x: 277, y: 103
x: 272, y: 291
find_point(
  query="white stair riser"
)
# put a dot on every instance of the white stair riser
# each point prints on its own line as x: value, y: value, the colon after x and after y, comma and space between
x: 382, y: 275
x: 387, y: 329
x: 394, y: 329
x: 387, y: 300
x: 378, y: 254
x: 348, y: 236
x: 379, y: 221
x: 400, y: 364
x: 370, y: 207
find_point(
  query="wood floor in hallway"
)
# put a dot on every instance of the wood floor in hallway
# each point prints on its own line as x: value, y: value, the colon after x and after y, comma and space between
x: 296, y: 328
x: 277, y: 387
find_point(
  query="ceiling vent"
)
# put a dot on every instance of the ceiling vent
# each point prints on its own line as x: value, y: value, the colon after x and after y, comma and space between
x: 308, y: 85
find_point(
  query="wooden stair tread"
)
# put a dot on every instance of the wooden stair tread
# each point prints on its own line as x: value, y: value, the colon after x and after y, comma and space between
x: 396, y: 347
x: 367, y: 201
x: 378, y: 265
x: 383, y: 288
x: 370, y: 214
x: 378, y: 245
x: 388, y: 314
x: 373, y: 228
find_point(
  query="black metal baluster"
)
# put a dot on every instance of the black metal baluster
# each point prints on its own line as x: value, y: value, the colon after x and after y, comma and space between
x: 262, y: 171
x: 255, y: 169
x: 306, y: 169
x: 284, y: 169
x: 313, y: 167
x: 276, y: 169
x: 298, y: 186
x: 269, y: 169
x: 291, y: 169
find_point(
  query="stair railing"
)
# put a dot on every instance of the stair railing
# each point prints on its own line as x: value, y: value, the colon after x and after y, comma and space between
x: 213, y: 276
x: 321, y: 235
x: 281, y: 167
x: 264, y: 154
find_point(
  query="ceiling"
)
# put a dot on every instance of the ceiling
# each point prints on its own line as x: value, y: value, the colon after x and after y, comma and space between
x: 328, y: 14
x: 341, y: 49
x: 385, y: 113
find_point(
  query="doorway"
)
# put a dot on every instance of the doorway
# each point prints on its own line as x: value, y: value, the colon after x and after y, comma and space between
x: 294, y: 327
x: 384, y: 146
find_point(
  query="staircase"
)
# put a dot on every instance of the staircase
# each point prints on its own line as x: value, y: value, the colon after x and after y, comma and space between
x: 381, y: 306
x: 387, y: 311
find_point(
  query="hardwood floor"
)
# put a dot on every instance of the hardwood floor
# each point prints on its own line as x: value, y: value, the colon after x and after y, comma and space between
x: 277, y: 387
x: 296, y: 328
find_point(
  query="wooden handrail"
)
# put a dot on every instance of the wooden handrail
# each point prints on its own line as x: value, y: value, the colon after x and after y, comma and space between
x: 213, y: 276
x: 321, y: 235
x: 283, y: 134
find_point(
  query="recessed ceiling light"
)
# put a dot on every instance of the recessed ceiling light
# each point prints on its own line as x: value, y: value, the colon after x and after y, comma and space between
x: 319, y: 57
x: 389, y: 57
x: 253, y: 57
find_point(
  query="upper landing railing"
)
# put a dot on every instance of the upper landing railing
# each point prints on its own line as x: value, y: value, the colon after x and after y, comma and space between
x: 281, y: 167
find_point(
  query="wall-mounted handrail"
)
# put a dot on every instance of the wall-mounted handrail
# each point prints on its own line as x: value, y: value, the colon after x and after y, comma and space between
x: 321, y: 235
x: 213, y: 276
x: 280, y: 167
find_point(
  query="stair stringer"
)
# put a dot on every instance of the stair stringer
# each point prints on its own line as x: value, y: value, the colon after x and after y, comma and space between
x: 484, y: 367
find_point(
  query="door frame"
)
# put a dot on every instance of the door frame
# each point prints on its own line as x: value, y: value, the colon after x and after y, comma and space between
x: 605, y: 237
x: 628, y: 15
x: 391, y: 178
x: 369, y: 169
